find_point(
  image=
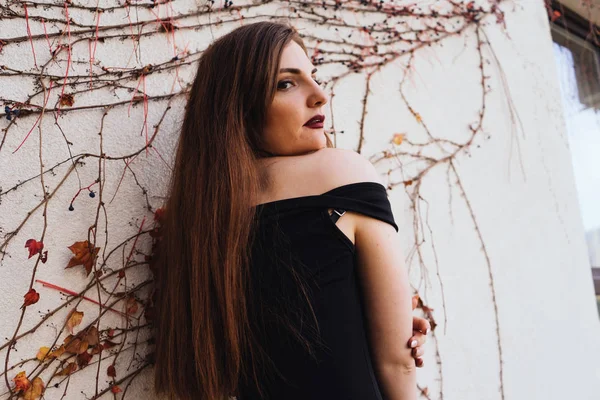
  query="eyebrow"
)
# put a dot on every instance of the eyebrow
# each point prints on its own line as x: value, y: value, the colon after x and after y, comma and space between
x: 295, y: 71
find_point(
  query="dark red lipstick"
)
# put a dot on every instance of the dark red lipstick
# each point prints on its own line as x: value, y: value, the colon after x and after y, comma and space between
x: 315, y: 122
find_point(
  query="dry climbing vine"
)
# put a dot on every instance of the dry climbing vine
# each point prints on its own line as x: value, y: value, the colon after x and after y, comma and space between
x: 91, y: 100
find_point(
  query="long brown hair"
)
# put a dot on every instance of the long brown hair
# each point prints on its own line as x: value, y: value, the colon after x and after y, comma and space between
x: 202, y: 324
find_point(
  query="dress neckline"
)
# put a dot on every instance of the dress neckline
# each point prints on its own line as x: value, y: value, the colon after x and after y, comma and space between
x: 290, y: 199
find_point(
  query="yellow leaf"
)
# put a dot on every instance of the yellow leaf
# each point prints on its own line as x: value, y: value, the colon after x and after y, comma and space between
x: 58, y: 352
x: 35, y: 390
x: 418, y: 117
x: 74, y: 319
x: 42, y: 353
x: 398, y: 138
x: 68, y: 370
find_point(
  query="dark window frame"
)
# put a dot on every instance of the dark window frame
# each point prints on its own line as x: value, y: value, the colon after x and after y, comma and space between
x: 580, y: 27
x: 573, y: 22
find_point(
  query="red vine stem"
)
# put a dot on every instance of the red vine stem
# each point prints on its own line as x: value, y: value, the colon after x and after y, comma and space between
x: 29, y: 34
x: 72, y: 293
x: 93, y: 52
x: 80, y: 189
x: 37, y: 120
x: 145, y: 112
x: 68, y: 53
x: 127, y: 162
x: 46, y: 34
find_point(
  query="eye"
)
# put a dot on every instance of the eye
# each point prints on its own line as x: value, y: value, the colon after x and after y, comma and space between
x: 283, y: 83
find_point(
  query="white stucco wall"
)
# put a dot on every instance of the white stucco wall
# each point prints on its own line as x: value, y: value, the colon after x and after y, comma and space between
x: 501, y: 261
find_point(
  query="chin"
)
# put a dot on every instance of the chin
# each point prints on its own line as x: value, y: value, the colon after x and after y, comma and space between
x: 323, y: 142
x: 310, y: 146
x: 321, y: 145
x: 310, y: 149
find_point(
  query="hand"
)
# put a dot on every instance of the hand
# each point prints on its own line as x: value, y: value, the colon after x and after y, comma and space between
x: 421, y: 328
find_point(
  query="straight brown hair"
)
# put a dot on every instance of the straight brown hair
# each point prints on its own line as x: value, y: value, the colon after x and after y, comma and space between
x: 203, y: 336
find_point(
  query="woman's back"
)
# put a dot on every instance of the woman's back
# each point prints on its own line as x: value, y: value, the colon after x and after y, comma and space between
x: 295, y: 229
x: 256, y: 95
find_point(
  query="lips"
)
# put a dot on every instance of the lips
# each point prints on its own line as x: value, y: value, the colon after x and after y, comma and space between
x: 316, y: 119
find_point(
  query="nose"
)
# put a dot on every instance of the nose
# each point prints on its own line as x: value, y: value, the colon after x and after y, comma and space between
x: 318, y: 97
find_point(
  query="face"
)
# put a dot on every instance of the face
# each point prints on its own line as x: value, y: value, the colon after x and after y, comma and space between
x: 297, y: 99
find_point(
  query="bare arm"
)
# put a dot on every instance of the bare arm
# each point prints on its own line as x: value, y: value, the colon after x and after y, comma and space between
x: 388, y: 307
x: 384, y: 281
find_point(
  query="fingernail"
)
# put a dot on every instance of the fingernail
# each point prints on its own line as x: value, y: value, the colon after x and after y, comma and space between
x: 413, y: 343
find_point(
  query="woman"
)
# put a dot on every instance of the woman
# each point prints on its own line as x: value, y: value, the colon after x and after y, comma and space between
x: 261, y: 292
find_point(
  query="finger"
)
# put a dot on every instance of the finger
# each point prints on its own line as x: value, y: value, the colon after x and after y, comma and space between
x: 418, y: 339
x: 421, y: 325
x: 419, y: 362
x: 418, y: 352
x: 413, y: 342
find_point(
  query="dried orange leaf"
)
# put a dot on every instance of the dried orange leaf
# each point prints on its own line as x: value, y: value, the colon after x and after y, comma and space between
x: 58, y: 352
x: 36, y: 390
x: 42, y: 353
x: 68, y: 370
x: 66, y: 99
x: 90, y: 335
x: 115, y: 389
x: 84, y: 255
x: 74, y: 345
x: 74, y: 319
x: 21, y: 382
x: 418, y: 117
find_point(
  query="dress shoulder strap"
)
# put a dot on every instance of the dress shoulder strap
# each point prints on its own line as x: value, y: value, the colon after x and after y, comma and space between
x: 368, y: 198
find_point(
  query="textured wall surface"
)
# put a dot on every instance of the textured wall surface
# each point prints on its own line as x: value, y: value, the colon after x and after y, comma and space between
x: 457, y: 105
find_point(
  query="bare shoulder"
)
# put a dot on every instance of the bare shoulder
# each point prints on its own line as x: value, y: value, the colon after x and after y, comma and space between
x: 333, y: 167
x: 315, y: 173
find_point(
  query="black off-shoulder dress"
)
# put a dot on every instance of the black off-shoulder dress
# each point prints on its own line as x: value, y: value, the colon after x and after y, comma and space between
x: 299, y: 232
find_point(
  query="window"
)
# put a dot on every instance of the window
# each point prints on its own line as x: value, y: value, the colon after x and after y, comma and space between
x: 578, y: 66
